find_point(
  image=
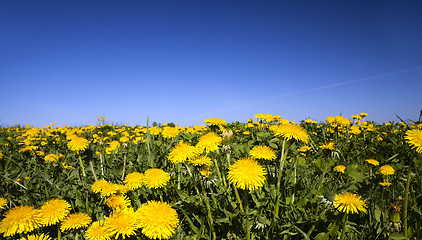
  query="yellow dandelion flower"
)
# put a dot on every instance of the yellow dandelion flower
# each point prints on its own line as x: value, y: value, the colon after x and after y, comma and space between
x: 329, y: 146
x: 157, y: 220
x: 263, y: 152
x: 339, y: 168
x: 117, y: 202
x: 75, y: 221
x: 290, y: 131
x: 36, y: 237
x: 386, y: 170
x: 54, y: 211
x: 109, y: 189
x: 78, y: 144
x: 215, y: 122
x: 304, y: 148
x: 355, y: 130
x: 385, y: 184
x: 112, y: 146
x: 1, y: 154
x: 349, y: 203
x: 363, y: 114
x: 134, y: 180
x: 123, y: 223
x: 98, y: 186
x: 246, y: 173
x: 205, y: 172
x: 21, y: 219
x: 170, y: 132
x: 156, y: 178
x: 330, y: 120
x: 98, y: 231
x: 209, y: 142
x: 3, y: 202
x: 372, y: 161
x: 182, y: 152
x: 201, y: 160
x: 51, y: 157
x: 414, y: 139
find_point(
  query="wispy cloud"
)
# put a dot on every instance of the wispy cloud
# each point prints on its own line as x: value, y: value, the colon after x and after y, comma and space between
x: 287, y: 94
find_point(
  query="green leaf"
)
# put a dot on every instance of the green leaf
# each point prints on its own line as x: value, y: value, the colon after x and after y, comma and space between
x: 377, y: 214
x: 396, y: 236
x: 357, y: 176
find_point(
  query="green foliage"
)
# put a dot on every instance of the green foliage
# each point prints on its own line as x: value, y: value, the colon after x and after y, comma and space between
x: 208, y: 207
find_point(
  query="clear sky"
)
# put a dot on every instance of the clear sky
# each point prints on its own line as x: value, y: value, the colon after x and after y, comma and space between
x: 185, y: 61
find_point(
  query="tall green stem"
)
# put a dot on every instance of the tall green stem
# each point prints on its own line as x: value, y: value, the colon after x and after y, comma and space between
x: 327, y: 161
x: 207, y: 204
x: 218, y: 171
x: 343, y: 231
x: 406, y: 197
x: 283, y: 157
x: 124, y: 167
x: 245, y: 198
x: 82, y: 166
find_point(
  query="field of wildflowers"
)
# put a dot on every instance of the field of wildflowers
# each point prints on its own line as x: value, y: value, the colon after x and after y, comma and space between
x: 268, y: 178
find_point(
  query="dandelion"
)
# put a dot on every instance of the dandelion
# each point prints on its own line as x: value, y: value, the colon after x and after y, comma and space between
x: 134, y: 180
x: 75, y: 221
x: 246, y: 173
x: 182, y: 152
x: 157, y: 220
x: 386, y: 170
x: 109, y: 189
x: 385, y: 184
x: 112, y: 146
x: 117, y: 202
x: 98, y: 186
x: 51, y: 157
x: 170, y: 132
x: 304, y: 148
x: 262, y: 152
x: 349, y: 203
x: 36, y: 237
x: 414, y: 139
x: 54, y: 211
x: 98, y: 231
x: 205, y: 172
x: 290, y: 131
x: 201, y: 160
x: 209, y: 142
x: 372, y: 161
x: 156, y: 178
x: 123, y: 223
x: 3, y: 203
x: 328, y: 146
x: 215, y: 122
x: 78, y: 144
x: 21, y: 219
x: 339, y: 168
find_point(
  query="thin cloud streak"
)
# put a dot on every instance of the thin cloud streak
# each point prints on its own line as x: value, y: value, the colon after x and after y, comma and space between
x: 304, y: 91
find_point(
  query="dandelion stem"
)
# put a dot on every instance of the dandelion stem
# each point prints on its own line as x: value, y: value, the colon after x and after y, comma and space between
x: 406, y: 197
x: 343, y: 231
x: 82, y: 166
x: 58, y: 233
x: 321, y: 179
x: 93, y: 172
x: 102, y: 168
x: 124, y: 167
x: 218, y: 171
x: 236, y: 193
x: 283, y: 157
x: 245, y: 198
x: 207, y: 204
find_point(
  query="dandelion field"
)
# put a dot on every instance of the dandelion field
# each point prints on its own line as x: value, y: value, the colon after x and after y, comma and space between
x: 267, y: 178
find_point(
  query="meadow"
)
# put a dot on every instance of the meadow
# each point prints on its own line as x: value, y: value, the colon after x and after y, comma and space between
x: 267, y: 178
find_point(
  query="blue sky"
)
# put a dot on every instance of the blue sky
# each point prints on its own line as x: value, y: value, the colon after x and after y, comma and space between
x: 184, y: 61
